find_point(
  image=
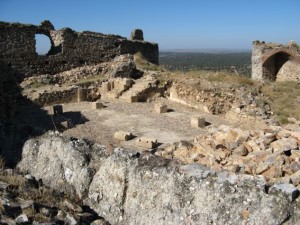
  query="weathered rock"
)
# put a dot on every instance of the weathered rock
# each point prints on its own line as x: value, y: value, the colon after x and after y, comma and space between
x: 122, y: 66
x: 21, y: 219
x: 295, y: 178
x: 284, y: 144
x: 99, y: 222
x: 237, y: 135
x: 62, y: 165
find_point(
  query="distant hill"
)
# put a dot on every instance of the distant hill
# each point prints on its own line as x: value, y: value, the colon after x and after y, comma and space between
x: 219, y: 60
x: 206, y: 50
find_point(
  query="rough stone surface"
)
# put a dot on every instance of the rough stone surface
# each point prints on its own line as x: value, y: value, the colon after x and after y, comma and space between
x: 122, y: 66
x: 130, y: 188
x: 62, y: 165
x: 69, y: 49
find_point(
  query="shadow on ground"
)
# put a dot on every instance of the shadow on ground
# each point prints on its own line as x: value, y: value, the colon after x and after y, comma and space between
x: 21, y: 119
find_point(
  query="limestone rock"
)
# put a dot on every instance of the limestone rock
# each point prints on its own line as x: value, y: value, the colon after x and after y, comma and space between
x: 122, y: 66
x: 284, y: 144
x: 61, y: 164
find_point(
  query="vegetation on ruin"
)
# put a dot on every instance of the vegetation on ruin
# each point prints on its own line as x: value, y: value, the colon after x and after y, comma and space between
x: 143, y: 64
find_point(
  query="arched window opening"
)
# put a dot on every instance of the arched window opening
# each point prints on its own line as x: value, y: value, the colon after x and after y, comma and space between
x: 42, y: 44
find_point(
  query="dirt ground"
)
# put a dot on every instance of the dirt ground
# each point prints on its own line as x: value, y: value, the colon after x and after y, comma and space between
x: 138, y: 118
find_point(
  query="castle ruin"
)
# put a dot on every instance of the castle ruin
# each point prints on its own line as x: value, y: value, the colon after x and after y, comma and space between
x: 275, y: 62
x: 69, y: 49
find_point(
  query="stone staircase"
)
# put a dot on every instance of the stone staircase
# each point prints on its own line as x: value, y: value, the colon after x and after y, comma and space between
x: 140, y: 90
x: 128, y: 90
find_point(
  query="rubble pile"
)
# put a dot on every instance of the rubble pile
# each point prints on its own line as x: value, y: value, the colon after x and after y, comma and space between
x: 273, y: 152
x: 230, y: 99
x: 25, y: 200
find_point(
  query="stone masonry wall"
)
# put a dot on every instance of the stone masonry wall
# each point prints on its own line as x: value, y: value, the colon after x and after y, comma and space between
x: 69, y: 49
x: 268, y: 59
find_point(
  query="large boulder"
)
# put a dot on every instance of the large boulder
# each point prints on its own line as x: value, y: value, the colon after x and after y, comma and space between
x: 136, y: 188
x: 61, y: 163
x: 123, y: 66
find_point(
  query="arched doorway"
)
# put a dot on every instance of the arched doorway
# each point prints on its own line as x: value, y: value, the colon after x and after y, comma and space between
x: 272, y: 65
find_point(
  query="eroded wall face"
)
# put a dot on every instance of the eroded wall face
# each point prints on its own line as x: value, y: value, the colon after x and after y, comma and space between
x: 69, y: 49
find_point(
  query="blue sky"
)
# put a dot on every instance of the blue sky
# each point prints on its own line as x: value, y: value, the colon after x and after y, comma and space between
x: 173, y: 24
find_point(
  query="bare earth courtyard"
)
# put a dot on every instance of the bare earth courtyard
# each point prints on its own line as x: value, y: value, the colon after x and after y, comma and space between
x: 138, y: 118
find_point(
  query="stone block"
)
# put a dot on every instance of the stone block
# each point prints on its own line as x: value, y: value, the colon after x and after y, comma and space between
x: 128, y: 82
x: 145, y: 142
x: 123, y: 136
x: 105, y: 87
x: 132, y: 99
x: 198, y: 122
x: 120, y: 86
x: 82, y: 94
x: 284, y: 144
x: 57, y: 109
x: 97, y: 105
x: 295, y: 178
x: 160, y: 108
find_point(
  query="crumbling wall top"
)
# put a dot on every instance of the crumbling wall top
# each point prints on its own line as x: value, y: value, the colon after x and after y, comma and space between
x: 69, y: 49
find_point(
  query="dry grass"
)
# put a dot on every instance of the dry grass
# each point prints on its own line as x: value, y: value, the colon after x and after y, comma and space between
x: 143, y: 64
x: 212, y: 76
x: 284, y: 99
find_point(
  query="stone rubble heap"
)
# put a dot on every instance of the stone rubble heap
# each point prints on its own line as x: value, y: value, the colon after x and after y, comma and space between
x: 121, y: 66
x: 24, y: 200
x: 273, y: 152
x: 230, y: 98
x: 69, y: 76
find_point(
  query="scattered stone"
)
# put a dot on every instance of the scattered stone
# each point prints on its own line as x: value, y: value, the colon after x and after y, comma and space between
x: 71, y: 220
x: 284, y: 144
x: 241, y: 151
x: 286, y: 188
x: 145, y: 142
x: 71, y: 206
x: 198, y: 122
x: 21, y: 219
x: 295, y: 178
x: 123, y: 136
x: 99, y: 222
x: 160, y: 108
x: 262, y: 167
x: 295, y: 166
x: 97, y: 105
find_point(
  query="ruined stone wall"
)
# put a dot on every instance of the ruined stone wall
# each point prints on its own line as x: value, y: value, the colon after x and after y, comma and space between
x: 69, y: 49
x: 268, y: 59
